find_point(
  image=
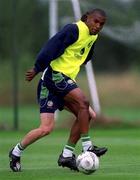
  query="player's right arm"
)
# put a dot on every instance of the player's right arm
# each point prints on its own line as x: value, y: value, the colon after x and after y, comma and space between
x: 54, y: 48
x: 30, y: 74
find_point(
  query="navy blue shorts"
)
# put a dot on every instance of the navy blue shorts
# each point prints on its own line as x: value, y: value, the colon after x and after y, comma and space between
x: 52, y: 89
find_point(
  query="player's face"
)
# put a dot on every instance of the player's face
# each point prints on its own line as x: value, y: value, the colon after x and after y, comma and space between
x: 95, y: 23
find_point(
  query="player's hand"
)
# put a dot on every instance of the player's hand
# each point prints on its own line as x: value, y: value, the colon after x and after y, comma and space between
x: 92, y: 113
x: 30, y: 74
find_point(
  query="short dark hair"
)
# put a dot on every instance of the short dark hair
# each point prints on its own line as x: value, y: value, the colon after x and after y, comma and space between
x: 100, y: 11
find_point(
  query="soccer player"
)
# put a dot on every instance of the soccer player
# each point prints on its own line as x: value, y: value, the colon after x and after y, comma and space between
x: 60, y: 60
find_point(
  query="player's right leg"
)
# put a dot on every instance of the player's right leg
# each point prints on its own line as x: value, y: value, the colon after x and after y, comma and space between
x: 46, y: 126
x: 47, y: 109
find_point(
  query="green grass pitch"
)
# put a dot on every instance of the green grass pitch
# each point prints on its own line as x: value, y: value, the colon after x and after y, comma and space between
x: 39, y: 161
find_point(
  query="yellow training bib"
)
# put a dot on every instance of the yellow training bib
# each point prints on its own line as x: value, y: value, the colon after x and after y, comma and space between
x: 74, y: 55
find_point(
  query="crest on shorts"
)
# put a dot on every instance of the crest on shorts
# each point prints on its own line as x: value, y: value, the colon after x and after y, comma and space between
x: 70, y: 81
x: 50, y: 103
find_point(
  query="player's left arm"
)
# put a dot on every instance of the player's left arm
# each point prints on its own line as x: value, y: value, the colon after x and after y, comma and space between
x: 89, y: 57
x: 90, y: 54
x: 92, y: 113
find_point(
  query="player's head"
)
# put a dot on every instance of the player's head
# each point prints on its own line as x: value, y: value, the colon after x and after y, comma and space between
x: 94, y: 19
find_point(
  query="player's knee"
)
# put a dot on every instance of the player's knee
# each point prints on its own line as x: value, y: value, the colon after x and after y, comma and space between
x: 84, y: 104
x: 46, y: 130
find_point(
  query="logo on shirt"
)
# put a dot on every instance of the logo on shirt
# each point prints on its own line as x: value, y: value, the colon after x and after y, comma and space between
x: 79, y: 55
x: 90, y: 44
x: 82, y: 51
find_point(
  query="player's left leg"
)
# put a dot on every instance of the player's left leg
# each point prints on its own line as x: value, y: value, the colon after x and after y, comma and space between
x: 75, y: 136
x: 73, y: 139
x: 75, y: 132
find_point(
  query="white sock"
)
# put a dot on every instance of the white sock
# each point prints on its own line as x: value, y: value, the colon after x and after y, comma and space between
x: 86, y: 145
x: 67, y: 153
x: 17, y: 151
x: 68, y: 150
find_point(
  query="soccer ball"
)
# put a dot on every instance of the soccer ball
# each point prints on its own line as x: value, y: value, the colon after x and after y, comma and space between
x: 87, y: 162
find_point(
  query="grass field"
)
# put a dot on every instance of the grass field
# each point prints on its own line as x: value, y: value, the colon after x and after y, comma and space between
x: 29, y: 116
x: 40, y: 160
x: 120, y: 99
